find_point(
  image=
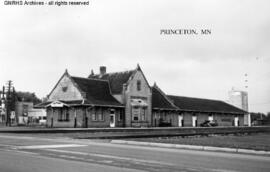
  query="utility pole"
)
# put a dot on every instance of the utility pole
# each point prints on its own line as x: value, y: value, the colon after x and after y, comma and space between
x: 8, y: 102
x: 3, y: 105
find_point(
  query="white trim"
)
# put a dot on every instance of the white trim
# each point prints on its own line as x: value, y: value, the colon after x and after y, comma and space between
x: 57, y: 104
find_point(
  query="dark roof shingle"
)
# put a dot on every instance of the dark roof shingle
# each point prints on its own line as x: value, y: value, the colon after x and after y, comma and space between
x: 96, y: 91
x: 207, y: 105
x: 116, y: 80
x: 160, y: 101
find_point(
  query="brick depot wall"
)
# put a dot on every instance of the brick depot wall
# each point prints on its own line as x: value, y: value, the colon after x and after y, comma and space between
x: 81, y: 113
x: 98, y: 123
x: 167, y: 116
x: 228, y: 119
x: 80, y: 117
x: 52, y: 113
x: 241, y: 120
x: 187, y: 116
x: 106, y: 122
x: 224, y: 119
x: 175, y: 119
x: 247, y: 119
x: 49, y: 117
x: 120, y: 122
x: 132, y: 92
x: 106, y: 114
x: 201, y: 117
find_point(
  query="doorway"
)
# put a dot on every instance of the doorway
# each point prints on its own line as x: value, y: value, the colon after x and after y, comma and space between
x: 194, y: 121
x: 112, y: 118
x: 236, y: 121
x: 180, y: 121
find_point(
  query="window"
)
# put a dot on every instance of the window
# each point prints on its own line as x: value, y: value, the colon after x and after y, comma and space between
x: 25, y: 109
x: 138, y: 85
x: 165, y: 116
x: 94, y: 117
x: 120, y: 117
x: 143, y: 117
x: 63, y: 115
x: 101, y: 116
x: 135, y: 117
x: 98, y: 115
x: 135, y: 113
x: 143, y: 114
x: 158, y: 115
x: 67, y: 116
x: 60, y: 118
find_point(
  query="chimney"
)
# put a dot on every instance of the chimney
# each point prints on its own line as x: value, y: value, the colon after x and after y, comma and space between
x: 125, y: 87
x: 92, y: 72
x: 102, y: 70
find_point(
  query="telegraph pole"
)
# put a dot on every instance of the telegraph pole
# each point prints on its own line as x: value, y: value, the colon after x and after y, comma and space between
x: 8, y: 102
x: 3, y: 105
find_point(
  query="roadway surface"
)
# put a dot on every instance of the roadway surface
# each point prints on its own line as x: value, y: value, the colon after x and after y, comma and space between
x: 23, y: 153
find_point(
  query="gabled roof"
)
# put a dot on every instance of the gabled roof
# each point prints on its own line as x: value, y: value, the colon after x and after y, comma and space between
x: 65, y: 74
x: 160, y: 100
x: 116, y: 80
x: 203, y: 105
x: 96, y: 92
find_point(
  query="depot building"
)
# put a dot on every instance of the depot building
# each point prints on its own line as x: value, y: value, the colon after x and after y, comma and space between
x: 125, y: 99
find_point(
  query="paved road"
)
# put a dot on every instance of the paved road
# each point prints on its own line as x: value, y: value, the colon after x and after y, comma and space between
x: 30, y: 154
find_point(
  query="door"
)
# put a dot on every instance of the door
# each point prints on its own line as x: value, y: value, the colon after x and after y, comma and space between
x: 210, y: 118
x: 194, y: 121
x: 236, y: 121
x: 180, y: 121
x: 112, y: 118
x: 85, y: 119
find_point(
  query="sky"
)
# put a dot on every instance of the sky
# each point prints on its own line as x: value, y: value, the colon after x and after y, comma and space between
x: 37, y: 44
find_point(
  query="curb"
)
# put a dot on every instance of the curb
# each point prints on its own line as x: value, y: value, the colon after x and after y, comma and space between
x: 192, y: 147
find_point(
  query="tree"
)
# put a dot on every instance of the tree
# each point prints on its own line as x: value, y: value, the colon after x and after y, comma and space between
x: 257, y: 116
x: 27, y: 97
x: 268, y: 116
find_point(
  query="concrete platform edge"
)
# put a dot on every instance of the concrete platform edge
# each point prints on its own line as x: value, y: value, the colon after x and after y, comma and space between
x: 192, y: 147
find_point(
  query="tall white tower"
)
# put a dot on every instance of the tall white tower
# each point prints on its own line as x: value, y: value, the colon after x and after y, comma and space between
x: 239, y: 99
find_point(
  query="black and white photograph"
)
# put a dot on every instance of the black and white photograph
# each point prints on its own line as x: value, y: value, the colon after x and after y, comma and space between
x: 134, y: 85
